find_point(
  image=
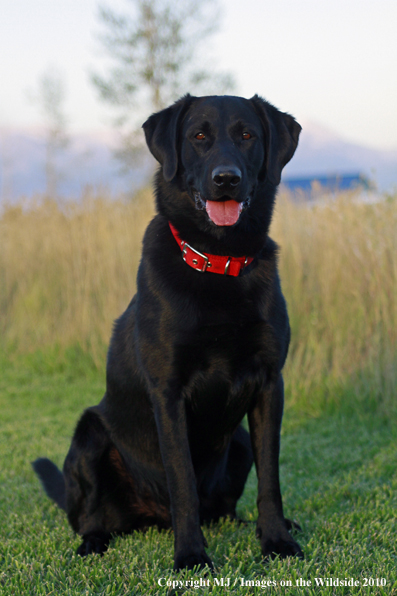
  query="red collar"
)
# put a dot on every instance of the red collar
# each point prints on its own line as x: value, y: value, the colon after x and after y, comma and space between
x: 213, y: 263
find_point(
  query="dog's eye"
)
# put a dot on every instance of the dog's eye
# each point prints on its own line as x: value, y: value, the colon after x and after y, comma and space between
x: 246, y: 136
x: 200, y: 136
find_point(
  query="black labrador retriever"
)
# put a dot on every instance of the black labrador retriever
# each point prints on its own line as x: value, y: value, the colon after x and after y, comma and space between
x: 201, y: 345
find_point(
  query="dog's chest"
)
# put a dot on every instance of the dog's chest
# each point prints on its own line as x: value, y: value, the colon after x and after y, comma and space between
x: 223, y: 366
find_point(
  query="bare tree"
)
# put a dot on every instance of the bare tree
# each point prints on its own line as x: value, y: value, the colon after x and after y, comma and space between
x: 50, y: 97
x: 155, y: 52
x: 7, y: 162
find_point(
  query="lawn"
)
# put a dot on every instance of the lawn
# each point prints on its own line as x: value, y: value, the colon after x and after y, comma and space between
x: 338, y: 480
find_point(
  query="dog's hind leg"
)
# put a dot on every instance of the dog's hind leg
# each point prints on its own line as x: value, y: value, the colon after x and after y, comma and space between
x: 103, y: 497
x: 239, y: 464
x: 222, y: 499
x: 97, y: 493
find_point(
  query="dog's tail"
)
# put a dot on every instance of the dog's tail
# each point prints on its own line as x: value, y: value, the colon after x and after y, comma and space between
x: 52, y: 480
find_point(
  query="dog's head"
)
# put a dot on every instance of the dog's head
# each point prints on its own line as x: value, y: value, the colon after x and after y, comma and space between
x: 225, y: 153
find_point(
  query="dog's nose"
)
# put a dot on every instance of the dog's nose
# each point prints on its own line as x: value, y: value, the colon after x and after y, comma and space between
x: 226, y: 176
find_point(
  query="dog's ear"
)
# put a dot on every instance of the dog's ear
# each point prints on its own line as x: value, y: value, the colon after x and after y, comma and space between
x: 281, y: 135
x: 161, y: 132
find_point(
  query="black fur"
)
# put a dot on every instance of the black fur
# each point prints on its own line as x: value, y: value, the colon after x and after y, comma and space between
x: 52, y: 480
x: 194, y: 352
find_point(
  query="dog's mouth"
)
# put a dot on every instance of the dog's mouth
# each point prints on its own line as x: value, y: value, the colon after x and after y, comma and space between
x: 223, y: 212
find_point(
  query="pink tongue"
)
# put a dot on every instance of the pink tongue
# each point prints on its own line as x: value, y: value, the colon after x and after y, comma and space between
x: 224, y: 213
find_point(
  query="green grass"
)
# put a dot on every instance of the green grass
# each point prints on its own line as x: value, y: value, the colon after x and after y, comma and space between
x: 338, y: 480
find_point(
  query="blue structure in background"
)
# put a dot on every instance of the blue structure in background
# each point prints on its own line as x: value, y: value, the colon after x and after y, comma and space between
x: 329, y: 183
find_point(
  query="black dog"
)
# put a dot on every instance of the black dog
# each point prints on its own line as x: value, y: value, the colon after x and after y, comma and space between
x: 201, y: 344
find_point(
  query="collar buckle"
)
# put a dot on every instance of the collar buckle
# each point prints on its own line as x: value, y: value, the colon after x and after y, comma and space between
x: 202, y: 269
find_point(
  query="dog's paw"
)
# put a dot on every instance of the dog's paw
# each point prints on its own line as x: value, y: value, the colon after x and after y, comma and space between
x: 94, y: 544
x: 283, y: 548
x: 191, y: 561
x: 292, y: 525
x: 279, y: 544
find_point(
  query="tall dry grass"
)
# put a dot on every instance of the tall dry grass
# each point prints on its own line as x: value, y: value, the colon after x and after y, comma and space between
x: 66, y: 272
x: 338, y: 267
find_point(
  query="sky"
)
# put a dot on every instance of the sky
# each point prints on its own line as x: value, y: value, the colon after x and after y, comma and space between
x: 333, y: 62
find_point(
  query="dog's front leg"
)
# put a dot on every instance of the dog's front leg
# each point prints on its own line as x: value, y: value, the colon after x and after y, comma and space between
x: 172, y: 431
x: 265, y: 425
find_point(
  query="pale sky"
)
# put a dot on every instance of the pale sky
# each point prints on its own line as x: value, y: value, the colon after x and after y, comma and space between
x: 333, y: 62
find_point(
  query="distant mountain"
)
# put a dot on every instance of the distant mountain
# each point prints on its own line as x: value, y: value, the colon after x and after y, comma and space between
x: 321, y: 152
x: 89, y: 161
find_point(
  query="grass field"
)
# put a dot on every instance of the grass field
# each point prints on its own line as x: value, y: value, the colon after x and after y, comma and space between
x: 66, y: 273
